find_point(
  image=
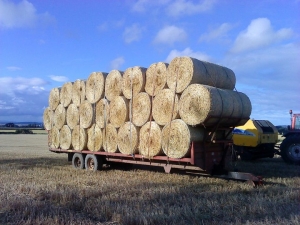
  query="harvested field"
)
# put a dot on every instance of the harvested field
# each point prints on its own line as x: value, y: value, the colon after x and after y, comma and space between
x: 40, y: 187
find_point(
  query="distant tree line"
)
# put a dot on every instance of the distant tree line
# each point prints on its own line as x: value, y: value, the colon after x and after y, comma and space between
x: 33, y: 125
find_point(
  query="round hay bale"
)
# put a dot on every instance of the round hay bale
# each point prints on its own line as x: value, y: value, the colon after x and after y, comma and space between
x: 245, y: 108
x: 141, y: 108
x: 156, y: 78
x: 113, y: 84
x: 72, y: 116
x: 86, y: 114
x: 66, y: 94
x: 202, y: 104
x: 102, y: 113
x: 150, y: 140
x: 54, y: 137
x: 187, y: 70
x: 177, y: 137
x: 60, y: 116
x: 119, y: 111
x: 78, y: 95
x: 65, y: 137
x: 128, y: 139
x: 79, y: 138
x: 94, y: 89
x: 134, y: 79
x: 94, y: 136
x: 48, y: 118
x: 54, y: 98
x: 164, y: 107
x: 110, y: 138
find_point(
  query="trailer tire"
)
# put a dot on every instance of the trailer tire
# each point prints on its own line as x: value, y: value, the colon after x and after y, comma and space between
x: 78, y: 161
x: 290, y: 149
x: 93, y: 162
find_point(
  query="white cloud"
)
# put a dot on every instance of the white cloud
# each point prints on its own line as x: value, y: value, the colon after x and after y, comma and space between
x: 187, y: 52
x: 103, y: 26
x: 22, y: 14
x: 185, y: 7
x: 13, y: 68
x: 219, y: 32
x: 59, y: 78
x: 269, y: 77
x: 143, y: 5
x: 108, y: 25
x: 259, y: 34
x: 22, y: 96
x: 117, y: 63
x: 173, y: 8
x: 132, y: 33
x: 170, y: 34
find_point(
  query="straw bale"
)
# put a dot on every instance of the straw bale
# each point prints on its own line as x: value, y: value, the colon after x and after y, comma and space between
x: 134, y: 77
x: 128, y: 138
x: 164, y: 105
x: 110, y: 138
x: 54, y: 137
x: 141, y: 108
x: 202, y: 104
x: 102, y: 113
x: 119, y: 111
x: 78, y: 95
x: 245, y: 108
x: 113, y: 84
x: 60, y: 116
x: 156, y: 78
x: 48, y: 118
x: 66, y: 94
x: 86, y: 114
x: 150, y: 140
x: 65, y: 137
x: 187, y: 70
x: 72, y: 116
x: 54, y: 98
x: 177, y: 137
x: 79, y: 138
x: 94, y: 136
x: 94, y: 89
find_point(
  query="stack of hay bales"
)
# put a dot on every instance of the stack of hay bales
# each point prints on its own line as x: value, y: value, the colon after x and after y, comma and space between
x: 155, y: 111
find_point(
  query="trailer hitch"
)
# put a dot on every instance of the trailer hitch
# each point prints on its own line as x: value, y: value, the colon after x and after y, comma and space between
x: 240, y: 176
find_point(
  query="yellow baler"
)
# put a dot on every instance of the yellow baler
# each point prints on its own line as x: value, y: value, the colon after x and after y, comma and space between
x: 255, y: 139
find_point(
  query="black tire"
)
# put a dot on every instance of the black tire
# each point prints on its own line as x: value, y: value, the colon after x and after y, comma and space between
x: 244, y: 153
x: 78, y: 161
x: 93, y: 162
x: 290, y: 149
x: 246, y: 156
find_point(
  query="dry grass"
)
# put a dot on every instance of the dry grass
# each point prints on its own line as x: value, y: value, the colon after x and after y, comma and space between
x: 40, y: 187
x: 34, y: 130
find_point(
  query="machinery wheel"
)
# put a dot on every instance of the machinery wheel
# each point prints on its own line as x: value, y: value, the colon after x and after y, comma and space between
x: 244, y: 153
x: 246, y: 156
x: 93, y: 163
x: 290, y: 149
x: 78, y: 161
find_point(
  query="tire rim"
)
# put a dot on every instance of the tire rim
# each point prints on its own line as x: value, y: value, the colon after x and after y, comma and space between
x: 294, y: 151
x: 78, y: 162
x: 91, y: 164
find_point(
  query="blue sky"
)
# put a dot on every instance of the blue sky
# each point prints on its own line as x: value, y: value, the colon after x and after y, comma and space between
x: 44, y: 43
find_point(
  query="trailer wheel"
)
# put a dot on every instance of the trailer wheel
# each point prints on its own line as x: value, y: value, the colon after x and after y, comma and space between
x: 78, y: 161
x: 93, y: 162
x: 290, y: 149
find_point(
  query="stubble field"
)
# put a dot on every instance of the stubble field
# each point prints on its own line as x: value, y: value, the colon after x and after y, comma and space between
x: 41, y: 187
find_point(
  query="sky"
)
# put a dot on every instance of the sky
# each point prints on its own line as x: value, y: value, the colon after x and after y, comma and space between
x: 44, y: 44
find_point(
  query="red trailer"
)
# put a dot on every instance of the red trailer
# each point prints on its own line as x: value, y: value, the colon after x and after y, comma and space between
x: 211, y: 157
